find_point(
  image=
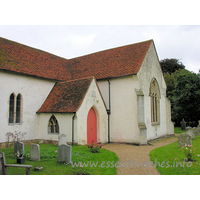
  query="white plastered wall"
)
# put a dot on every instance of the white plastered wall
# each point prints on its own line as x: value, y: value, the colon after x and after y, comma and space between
x: 93, y: 100
x: 151, y: 69
x: 64, y: 122
x: 33, y: 90
x: 123, y: 118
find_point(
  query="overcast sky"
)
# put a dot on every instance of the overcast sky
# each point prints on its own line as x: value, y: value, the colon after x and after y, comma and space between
x: 68, y: 41
x: 181, y: 42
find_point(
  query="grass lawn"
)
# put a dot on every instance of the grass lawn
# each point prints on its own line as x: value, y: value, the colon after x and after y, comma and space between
x: 48, y: 160
x: 169, y: 159
x: 178, y: 130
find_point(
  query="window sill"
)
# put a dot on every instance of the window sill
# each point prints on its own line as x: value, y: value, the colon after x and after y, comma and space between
x: 53, y: 133
x: 12, y: 124
x: 155, y: 123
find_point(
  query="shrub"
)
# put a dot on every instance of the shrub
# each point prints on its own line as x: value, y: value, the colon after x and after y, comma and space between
x: 95, y: 148
x: 189, y: 152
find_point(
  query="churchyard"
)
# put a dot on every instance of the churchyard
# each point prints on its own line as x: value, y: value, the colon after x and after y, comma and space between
x: 49, y: 161
x: 181, y: 157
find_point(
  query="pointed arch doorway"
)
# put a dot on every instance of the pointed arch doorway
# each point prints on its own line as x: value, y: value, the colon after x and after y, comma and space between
x: 91, y: 127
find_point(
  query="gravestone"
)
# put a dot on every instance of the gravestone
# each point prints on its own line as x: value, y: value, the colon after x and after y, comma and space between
x: 62, y: 139
x: 190, y: 131
x: 64, y: 153
x: 198, y: 124
x: 183, y: 125
x: 198, y: 127
x: 195, y: 130
x: 184, y: 139
x: 188, y: 127
x: 18, y: 146
x: 35, y: 152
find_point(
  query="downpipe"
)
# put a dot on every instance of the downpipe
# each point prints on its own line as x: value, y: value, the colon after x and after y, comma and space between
x: 73, y: 128
x: 109, y: 111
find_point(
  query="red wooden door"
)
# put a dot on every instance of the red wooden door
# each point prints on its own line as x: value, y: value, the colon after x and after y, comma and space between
x: 91, y: 127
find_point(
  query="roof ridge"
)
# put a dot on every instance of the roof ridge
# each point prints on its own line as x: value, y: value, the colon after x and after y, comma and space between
x: 105, y: 50
x: 78, y: 79
x: 115, y: 62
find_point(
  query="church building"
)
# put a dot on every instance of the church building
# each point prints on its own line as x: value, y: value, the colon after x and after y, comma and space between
x: 116, y: 95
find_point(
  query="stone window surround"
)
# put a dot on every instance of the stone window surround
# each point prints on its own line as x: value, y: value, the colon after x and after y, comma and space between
x: 17, y: 109
x: 155, y: 102
x: 53, y: 126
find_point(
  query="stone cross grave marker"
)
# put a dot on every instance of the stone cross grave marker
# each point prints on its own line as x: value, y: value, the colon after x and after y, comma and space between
x: 183, y: 125
x: 35, y: 152
x: 62, y: 139
x: 184, y: 139
x: 64, y: 153
x: 18, y: 146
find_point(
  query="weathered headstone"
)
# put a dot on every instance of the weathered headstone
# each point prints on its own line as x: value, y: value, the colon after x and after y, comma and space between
x: 188, y: 127
x: 198, y: 127
x: 62, y: 139
x: 64, y: 153
x: 184, y: 139
x: 195, y: 130
x: 18, y: 146
x: 183, y: 125
x: 190, y: 131
x: 35, y: 152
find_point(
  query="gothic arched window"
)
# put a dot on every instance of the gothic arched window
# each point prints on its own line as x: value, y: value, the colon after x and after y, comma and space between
x: 15, y: 109
x: 155, y: 102
x: 18, y: 109
x: 11, y: 108
x: 53, y: 126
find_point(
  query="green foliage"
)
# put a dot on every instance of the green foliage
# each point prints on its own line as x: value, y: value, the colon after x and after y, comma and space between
x: 178, y: 130
x: 186, y: 98
x: 175, y: 157
x: 95, y: 148
x: 183, y: 90
x: 189, y: 152
x: 171, y: 65
x: 170, y: 81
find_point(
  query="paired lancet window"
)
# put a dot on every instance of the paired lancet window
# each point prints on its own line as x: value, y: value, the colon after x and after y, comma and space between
x: 53, y: 126
x: 155, y: 102
x: 15, y: 109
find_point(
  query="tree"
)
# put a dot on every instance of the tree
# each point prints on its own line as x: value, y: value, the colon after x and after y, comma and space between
x: 170, y: 80
x: 198, y: 73
x: 171, y: 65
x: 186, y: 98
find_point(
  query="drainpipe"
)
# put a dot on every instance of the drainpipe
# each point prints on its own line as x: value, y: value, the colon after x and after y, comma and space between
x: 109, y: 111
x: 73, y: 128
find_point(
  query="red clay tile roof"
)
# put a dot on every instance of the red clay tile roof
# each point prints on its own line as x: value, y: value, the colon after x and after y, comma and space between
x: 19, y: 58
x: 121, y: 61
x: 66, y: 97
x: 116, y: 62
